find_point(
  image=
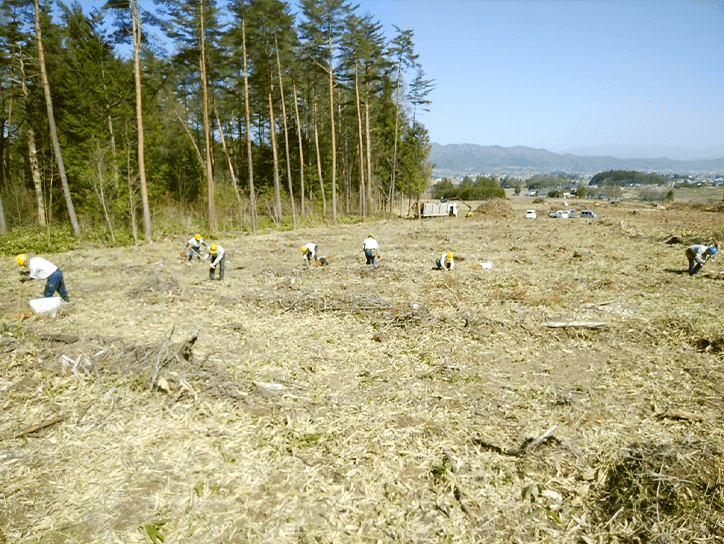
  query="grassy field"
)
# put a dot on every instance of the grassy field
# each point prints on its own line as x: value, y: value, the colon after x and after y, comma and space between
x: 572, y: 393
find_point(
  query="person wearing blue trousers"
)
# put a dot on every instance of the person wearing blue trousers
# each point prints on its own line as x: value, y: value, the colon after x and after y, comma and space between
x: 698, y: 254
x: 42, y: 269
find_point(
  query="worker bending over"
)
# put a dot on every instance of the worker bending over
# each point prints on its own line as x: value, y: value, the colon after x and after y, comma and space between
x: 698, y: 254
x: 41, y: 269
x: 218, y: 259
x: 371, y: 249
x: 446, y: 261
x: 309, y: 253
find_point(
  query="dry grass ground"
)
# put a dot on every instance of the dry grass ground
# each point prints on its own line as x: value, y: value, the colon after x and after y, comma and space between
x: 573, y: 393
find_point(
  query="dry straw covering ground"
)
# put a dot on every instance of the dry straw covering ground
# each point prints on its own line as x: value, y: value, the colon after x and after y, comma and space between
x: 572, y: 393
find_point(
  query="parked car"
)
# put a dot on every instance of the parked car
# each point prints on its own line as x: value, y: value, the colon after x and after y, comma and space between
x: 531, y: 214
x: 589, y: 213
x: 572, y: 213
x: 553, y: 213
x: 562, y: 214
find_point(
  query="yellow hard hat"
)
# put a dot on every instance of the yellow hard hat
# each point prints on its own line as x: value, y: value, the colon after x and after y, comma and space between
x: 372, y: 236
x: 304, y: 249
x: 449, y: 255
x: 198, y: 237
x: 212, y: 249
x: 20, y: 259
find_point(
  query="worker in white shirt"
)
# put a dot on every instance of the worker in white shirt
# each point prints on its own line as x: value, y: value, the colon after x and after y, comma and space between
x: 218, y: 259
x: 309, y: 253
x: 41, y: 269
x: 698, y: 255
x: 193, y: 247
x: 371, y: 249
x: 446, y: 261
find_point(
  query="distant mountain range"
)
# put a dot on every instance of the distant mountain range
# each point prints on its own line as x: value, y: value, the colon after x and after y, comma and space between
x: 473, y: 158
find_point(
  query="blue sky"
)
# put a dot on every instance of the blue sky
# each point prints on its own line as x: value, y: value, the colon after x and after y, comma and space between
x: 567, y: 74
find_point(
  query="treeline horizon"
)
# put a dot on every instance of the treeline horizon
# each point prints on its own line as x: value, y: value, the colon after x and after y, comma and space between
x: 260, y: 117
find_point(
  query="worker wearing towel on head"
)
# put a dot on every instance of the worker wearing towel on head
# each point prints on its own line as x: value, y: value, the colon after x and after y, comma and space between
x: 446, y: 261
x: 218, y: 259
x: 41, y: 269
x: 371, y: 249
x: 698, y: 255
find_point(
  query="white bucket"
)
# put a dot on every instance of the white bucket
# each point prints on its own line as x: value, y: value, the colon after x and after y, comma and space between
x: 487, y: 266
x: 47, y: 304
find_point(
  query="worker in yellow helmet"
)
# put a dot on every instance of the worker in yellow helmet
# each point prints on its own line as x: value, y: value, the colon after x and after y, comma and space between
x: 193, y: 247
x: 41, y: 269
x: 446, y: 261
x: 309, y: 253
x: 218, y: 260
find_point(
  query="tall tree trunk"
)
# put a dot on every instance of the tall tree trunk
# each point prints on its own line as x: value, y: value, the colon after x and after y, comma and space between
x: 234, y: 184
x: 319, y: 155
x: 51, y: 121
x: 301, y: 150
x: 361, y: 143
x: 32, y: 150
x: 252, y: 194
x: 131, y: 200
x: 207, y: 128
x: 111, y: 132
x: 334, y: 137
x: 394, y: 153
x: 286, y: 134
x: 368, y: 132
x: 275, y: 156
x: 136, y: 19
x: 100, y: 191
x: 3, y: 224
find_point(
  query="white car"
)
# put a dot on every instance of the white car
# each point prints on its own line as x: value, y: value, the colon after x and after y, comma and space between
x: 531, y: 214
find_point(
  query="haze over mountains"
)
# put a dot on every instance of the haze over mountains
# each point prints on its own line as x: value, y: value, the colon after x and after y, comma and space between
x: 474, y: 158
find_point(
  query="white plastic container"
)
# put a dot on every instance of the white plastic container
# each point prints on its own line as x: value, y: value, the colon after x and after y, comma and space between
x: 487, y: 266
x: 47, y: 304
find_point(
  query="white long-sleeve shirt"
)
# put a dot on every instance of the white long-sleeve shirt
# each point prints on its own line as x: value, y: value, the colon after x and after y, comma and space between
x: 40, y: 269
x: 196, y: 243
x: 370, y: 243
x: 218, y: 257
x: 447, y: 264
x: 311, y: 251
x: 696, y: 252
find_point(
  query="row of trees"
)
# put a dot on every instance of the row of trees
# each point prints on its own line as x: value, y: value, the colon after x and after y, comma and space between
x: 623, y: 177
x: 258, y: 112
x: 480, y: 188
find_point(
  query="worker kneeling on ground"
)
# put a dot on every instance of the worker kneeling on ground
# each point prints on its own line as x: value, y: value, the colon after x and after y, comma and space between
x: 41, y: 269
x: 371, y: 249
x: 218, y: 259
x: 698, y: 255
x: 309, y: 253
x: 446, y: 261
x: 193, y: 247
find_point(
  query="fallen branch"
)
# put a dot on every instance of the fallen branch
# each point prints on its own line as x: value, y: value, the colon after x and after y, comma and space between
x: 50, y: 422
x: 458, y: 492
x: 680, y: 414
x: 526, y: 447
x: 64, y: 338
x: 581, y: 324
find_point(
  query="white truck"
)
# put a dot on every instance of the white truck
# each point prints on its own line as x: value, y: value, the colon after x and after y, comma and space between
x: 439, y: 209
